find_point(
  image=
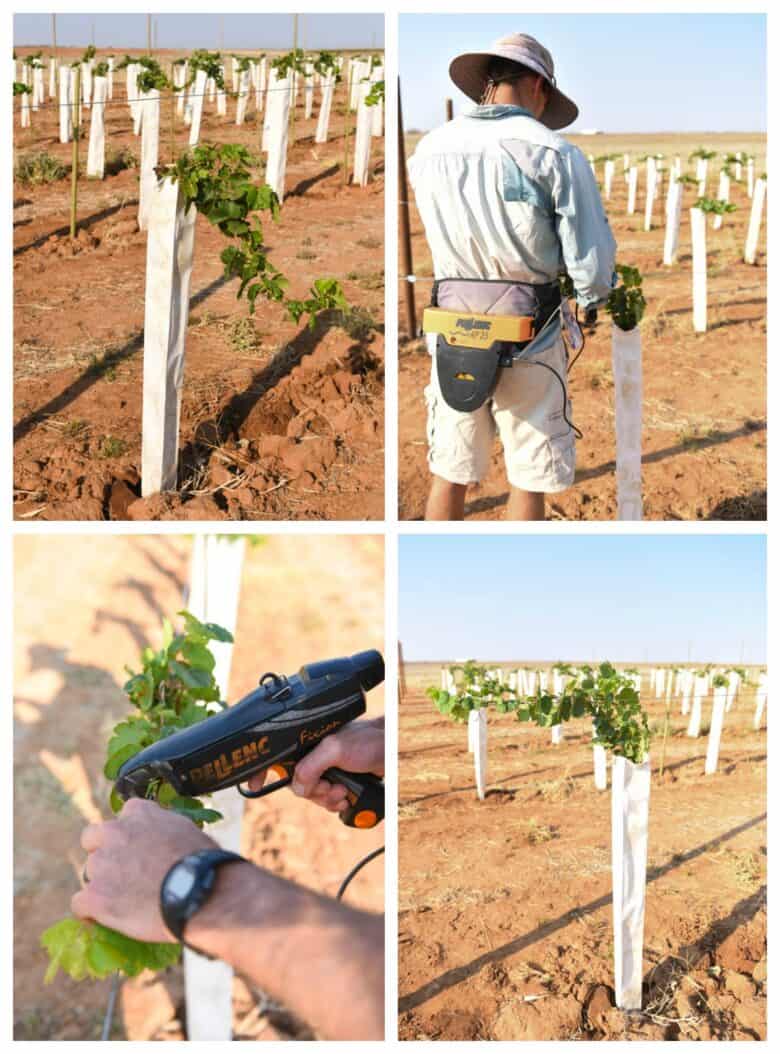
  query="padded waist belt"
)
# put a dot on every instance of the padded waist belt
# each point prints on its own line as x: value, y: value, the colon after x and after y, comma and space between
x: 467, y: 367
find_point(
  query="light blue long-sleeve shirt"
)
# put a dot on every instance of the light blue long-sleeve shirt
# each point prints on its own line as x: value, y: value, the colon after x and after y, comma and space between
x: 502, y: 196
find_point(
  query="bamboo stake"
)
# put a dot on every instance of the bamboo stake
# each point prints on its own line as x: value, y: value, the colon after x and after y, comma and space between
x: 74, y: 176
x: 406, y: 239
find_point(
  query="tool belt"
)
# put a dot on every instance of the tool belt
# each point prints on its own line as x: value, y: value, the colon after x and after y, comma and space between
x: 480, y: 326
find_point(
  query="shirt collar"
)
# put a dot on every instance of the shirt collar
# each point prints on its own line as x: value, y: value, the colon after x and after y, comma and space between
x: 496, y: 110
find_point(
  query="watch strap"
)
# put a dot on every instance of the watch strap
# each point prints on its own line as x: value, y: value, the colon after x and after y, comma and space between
x: 202, y: 866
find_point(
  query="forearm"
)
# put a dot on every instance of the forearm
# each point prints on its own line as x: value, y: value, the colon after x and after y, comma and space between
x: 322, y: 959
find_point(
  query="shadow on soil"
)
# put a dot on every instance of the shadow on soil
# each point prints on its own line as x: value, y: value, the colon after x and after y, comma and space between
x: 229, y: 421
x: 96, y: 370
x: 461, y: 973
x: 743, y: 507
x: 83, y: 224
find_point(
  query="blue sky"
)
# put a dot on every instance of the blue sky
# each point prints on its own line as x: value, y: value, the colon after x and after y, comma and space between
x: 627, y: 73
x: 196, y: 30
x: 583, y: 597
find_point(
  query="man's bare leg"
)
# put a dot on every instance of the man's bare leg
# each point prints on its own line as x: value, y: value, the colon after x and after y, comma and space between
x: 446, y: 501
x: 524, y: 505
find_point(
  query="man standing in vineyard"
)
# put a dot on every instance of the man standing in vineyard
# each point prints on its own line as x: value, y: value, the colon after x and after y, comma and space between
x: 320, y: 958
x: 508, y: 206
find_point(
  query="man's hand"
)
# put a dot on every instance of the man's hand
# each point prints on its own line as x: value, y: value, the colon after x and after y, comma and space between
x: 128, y: 859
x: 358, y: 747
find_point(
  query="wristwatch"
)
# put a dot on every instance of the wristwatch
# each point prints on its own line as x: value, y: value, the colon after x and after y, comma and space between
x: 188, y: 885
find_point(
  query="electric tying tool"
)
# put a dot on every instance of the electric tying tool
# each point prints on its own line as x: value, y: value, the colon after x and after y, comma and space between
x: 271, y: 728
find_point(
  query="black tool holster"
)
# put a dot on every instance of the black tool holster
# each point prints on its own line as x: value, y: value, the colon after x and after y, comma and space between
x: 468, y: 375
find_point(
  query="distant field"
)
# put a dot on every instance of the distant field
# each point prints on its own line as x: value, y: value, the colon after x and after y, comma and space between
x: 638, y: 143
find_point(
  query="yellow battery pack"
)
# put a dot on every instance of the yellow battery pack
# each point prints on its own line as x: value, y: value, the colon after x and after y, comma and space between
x: 477, y: 331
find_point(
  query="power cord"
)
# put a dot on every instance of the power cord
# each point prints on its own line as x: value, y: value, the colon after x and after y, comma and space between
x: 357, y: 868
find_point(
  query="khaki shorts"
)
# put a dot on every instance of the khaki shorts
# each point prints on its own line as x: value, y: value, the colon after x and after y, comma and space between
x: 527, y: 411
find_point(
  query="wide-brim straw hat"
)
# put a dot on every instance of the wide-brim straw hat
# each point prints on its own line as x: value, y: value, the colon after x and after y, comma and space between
x: 469, y: 73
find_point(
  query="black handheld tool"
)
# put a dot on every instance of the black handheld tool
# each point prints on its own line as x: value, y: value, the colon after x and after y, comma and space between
x: 271, y: 728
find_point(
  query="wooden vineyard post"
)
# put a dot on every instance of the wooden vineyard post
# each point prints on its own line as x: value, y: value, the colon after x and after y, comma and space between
x: 478, y: 747
x: 448, y: 109
x: 754, y: 226
x: 699, y: 239
x: 407, y: 268
x: 630, y: 816
x: 627, y: 373
x: 401, y: 672
x: 716, y: 728
x: 74, y: 177
x: 169, y: 252
x: 215, y: 588
x: 96, y: 153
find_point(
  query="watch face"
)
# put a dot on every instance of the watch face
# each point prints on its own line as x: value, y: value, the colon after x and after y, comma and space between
x: 180, y: 883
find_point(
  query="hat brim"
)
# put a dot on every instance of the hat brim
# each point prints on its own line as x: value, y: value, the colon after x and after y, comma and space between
x: 469, y: 72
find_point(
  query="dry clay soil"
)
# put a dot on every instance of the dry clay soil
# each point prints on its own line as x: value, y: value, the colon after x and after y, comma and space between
x: 84, y: 609
x: 278, y: 421
x: 505, y: 915
x: 704, y: 405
